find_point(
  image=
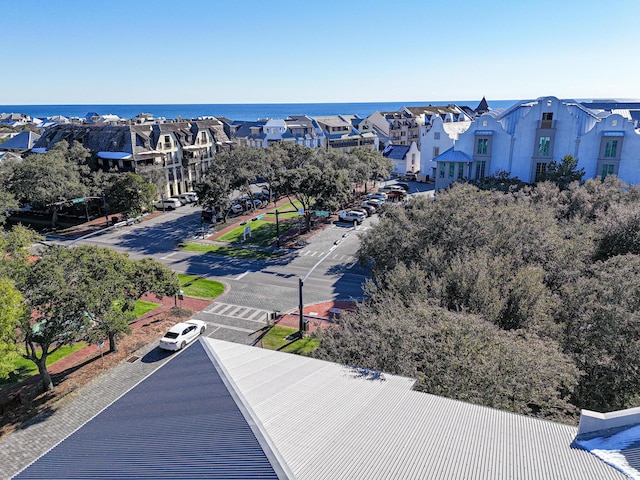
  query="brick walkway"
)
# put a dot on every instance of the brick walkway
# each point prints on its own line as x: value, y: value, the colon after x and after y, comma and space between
x: 319, y: 315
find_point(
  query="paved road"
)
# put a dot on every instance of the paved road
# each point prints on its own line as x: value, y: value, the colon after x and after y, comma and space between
x: 261, y: 285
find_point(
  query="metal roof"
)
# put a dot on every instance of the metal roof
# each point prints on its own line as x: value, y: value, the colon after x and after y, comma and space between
x: 452, y: 155
x: 180, y: 422
x: 331, y: 421
x: 225, y: 410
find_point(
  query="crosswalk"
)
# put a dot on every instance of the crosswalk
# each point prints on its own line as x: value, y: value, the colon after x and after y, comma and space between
x: 236, y: 311
x: 318, y: 254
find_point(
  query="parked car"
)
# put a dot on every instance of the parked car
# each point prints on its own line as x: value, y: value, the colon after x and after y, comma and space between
x: 409, y: 177
x: 210, y: 215
x: 188, y: 197
x: 397, y: 195
x: 405, y: 186
x: 351, y: 216
x: 390, y: 188
x: 378, y: 195
x: 368, y: 207
x: 182, y: 333
x: 361, y: 210
x: 167, y: 204
x: 236, y: 208
x: 376, y: 202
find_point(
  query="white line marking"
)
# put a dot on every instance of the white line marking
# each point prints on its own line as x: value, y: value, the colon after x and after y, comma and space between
x: 168, y: 256
x: 242, y: 275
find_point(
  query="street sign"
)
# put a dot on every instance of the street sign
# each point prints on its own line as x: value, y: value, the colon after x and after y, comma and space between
x: 78, y: 200
x: 260, y: 217
x: 321, y: 213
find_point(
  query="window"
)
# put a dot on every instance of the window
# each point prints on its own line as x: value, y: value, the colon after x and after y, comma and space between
x: 204, y: 137
x: 611, y: 149
x: 483, y: 143
x: 480, y: 167
x: 607, y: 170
x: 452, y: 167
x: 436, y: 151
x: 442, y: 170
x: 413, y: 159
x: 547, y: 120
x: 541, y: 169
x: 547, y: 116
x: 436, y: 136
x: 543, y: 146
x: 460, y: 171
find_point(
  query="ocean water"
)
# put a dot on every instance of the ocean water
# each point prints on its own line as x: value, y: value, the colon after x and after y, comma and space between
x: 235, y: 111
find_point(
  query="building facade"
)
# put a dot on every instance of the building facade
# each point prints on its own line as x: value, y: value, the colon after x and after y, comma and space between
x: 181, y: 151
x: 524, y: 139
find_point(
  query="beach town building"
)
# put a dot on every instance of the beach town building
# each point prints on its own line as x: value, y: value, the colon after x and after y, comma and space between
x: 180, y: 151
x: 523, y: 140
x: 405, y: 158
x: 299, y: 129
x: 20, y: 143
x: 345, y: 132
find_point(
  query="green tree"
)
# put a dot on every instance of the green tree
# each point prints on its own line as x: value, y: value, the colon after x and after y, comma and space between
x: 455, y: 355
x: 316, y: 185
x: 130, y: 194
x: 111, y: 285
x: 43, y: 180
x: 53, y: 292
x: 564, y: 173
x: 12, y: 311
x: 602, y: 320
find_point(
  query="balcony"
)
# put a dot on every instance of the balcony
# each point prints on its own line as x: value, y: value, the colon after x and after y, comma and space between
x: 546, y: 124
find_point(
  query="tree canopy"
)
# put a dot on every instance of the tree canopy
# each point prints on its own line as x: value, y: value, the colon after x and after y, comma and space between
x: 535, y: 288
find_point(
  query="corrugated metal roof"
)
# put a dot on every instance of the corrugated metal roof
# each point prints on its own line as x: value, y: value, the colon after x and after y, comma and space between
x: 452, y: 155
x: 333, y: 422
x: 180, y: 422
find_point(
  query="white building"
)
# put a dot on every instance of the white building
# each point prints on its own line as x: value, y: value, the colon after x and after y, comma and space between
x: 524, y: 139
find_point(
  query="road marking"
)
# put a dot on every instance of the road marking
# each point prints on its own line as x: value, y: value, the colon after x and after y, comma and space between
x: 237, y: 311
x: 242, y: 275
x: 168, y: 256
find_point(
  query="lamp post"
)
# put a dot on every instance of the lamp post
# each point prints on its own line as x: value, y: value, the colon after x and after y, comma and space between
x: 302, y: 324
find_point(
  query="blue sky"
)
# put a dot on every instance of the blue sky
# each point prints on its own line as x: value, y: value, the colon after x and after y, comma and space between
x: 252, y: 51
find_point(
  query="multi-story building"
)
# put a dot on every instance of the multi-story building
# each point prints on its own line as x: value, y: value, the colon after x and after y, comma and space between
x: 299, y: 129
x: 525, y: 138
x: 344, y: 132
x: 182, y: 150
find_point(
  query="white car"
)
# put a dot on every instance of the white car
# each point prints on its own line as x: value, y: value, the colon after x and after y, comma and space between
x: 351, y: 216
x: 167, y: 204
x: 181, y: 334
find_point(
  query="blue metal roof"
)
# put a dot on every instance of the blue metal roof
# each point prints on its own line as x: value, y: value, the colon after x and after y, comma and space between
x: 452, y: 155
x: 180, y: 422
x: 396, y: 152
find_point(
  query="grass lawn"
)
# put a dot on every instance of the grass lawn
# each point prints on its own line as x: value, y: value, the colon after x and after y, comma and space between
x: 295, y: 205
x: 26, y: 368
x: 231, y: 251
x: 144, y: 307
x: 276, y: 340
x: 263, y: 233
x: 194, y: 286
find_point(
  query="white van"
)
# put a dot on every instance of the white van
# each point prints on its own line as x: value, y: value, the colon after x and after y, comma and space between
x: 167, y: 204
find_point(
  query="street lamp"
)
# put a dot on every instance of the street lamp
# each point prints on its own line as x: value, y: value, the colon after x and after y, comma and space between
x: 302, y: 324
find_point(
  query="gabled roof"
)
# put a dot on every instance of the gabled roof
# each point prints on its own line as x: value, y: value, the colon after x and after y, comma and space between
x: 396, y: 152
x: 180, y: 422
x: 221, y: 408
x: 23, y: 141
